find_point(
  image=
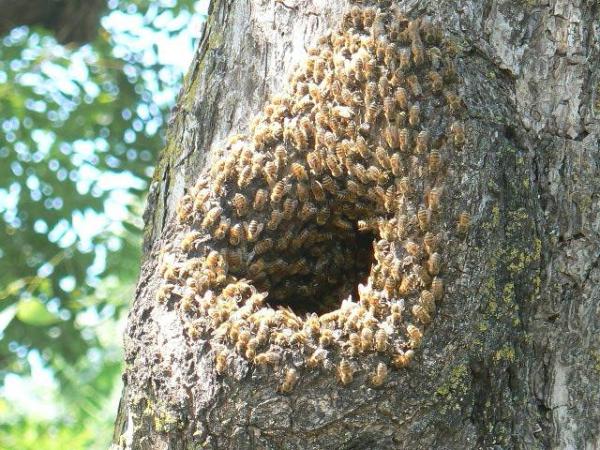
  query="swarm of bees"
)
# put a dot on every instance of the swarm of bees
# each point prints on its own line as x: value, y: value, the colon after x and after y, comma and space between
x: 268, y: 260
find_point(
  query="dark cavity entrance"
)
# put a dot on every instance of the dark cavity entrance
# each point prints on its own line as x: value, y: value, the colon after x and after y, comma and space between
x: 333, y: 275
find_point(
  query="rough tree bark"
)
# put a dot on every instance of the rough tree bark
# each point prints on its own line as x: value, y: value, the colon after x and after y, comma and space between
x: 512, y: 359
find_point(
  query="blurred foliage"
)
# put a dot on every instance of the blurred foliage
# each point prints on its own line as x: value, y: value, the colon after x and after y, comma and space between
x: 80, y: 130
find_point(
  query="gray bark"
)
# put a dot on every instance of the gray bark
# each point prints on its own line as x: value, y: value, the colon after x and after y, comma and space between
x: 512, y: 359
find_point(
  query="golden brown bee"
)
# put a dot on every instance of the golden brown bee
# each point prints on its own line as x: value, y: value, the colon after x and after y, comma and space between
x: 270, y: 172
x: 188, y: 243
x: 421, y: 314
x: 211, y: 217
x: 404, y: 139
x: 284, y: 241
x: 345, y: 372
x: 185, y: 208
x: 342, y: 224
x: 378, y: 377
x: 314, y: 162
x: 366, y: 339
x: 412, y: 248
x: 307, y: 211
x: 404, y: 56
x: 222, y: 229
x: 414, y: 85
x: 317, y: 190
x: 430, y: 242
x: 221, y: 360
x: 415, y: 335
x: 422, y: 141
x: 435, y: 161
x: 317, y: 358
x: 433, y: 263
x: 401, y: 98
x: 433, y: 198
x: 329, y: 185
x: 270, y: 358
x: 424, y: 218
x: 263, y: 246
x: 435, y: 81
x: 454, y: 102
x: 164, y: 292
x: 427, y: 301
x: 403, y: 359
x: 253, y: 230
x: 234, y: 258
x: 437, y: 288
x: 302, y: 192
x: 323, y: 215
x: 464, y: 221
x: 289, y: 206
x: 278, y: 191
x: 381, y: 340
x: 213, y: 259
x: 298, y: 171
x: 408, y: 284
x: 458, y: 133
x: 326, y: 339
x: 396, y: 165
x: 275, y: 220
x: 281, y: 156
x: 235, y: 234
x: 245, y: 177
x: 414, y: 115
x: 260, y: 199
x: 240, y: 203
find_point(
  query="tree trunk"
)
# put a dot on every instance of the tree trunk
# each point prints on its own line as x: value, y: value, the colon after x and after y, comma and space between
x: 512, y: 357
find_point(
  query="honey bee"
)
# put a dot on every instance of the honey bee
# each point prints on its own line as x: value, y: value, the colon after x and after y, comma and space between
x: 270, y: 358
x: 323, y: 215
x: 414, y: 115
x: 240, y: 203
x: 275, y: 220
x: 366, y: 339
x: 253, y: 230
x: 434, y: 263
x: 302, y: 192
x: 298, y: 171
x: 213, y: 259
x: 454, y: 102
x: 270, y: 172
x: 458, y: 134
x: 245, y: 177
x: 317, y: 358
x: 414, y: 85
x: 222, y: 229
x: 314, y: 162
x: 424, y: 218
x: 436, y: 82
x: 280, y: 156
x: 378, y: 377
x: 211, y: 217
x: 404, y: 139
x: 415, y: 335
x: 408, y: 284
x: 403, y: 359
x: 433, y: 198
x: 284, y: 241
x: 434, y: 161
x: 260, y: 199
x: 235, y: 234
x: 396, y: 165
x: 430, y: 242
x: 289, y: 206
x: 263, y: 246
x: 412, y: 248
x: 437, y: 288
x: 307, y: 211
x: 381, y: 340
x: 342, y: 224
x: 464, y: 221
x: 345, y: 372
x: 404, y: 56
x: 164, y: 292
x: 422, y: 141
x: 188, y: 243
x: 185, y: 208
x: 421, y: 314
x: 221, y: 361
x: 278, y: 191
x: 329, y: 185
x: 327, y: 338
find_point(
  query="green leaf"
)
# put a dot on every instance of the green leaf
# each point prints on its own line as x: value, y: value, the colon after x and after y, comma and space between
x: 33, y: 312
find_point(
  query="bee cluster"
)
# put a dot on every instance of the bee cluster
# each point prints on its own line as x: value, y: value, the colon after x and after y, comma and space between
x: 270, y: 235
